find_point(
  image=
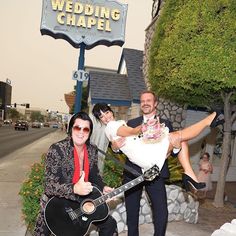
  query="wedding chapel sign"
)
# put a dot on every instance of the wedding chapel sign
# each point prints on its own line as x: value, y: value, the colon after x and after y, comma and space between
x: 91, y: 22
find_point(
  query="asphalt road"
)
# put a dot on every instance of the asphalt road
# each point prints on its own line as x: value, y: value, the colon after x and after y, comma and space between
x: 11, y: 140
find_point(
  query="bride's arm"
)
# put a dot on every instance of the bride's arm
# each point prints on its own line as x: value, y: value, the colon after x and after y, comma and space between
x: 125, y: 131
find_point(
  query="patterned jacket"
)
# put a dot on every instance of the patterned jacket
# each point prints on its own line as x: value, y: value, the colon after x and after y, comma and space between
x: 59, y: 173
x: 60, y: 169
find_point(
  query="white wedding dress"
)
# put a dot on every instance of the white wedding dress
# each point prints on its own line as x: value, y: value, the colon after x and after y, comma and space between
x: 139, y: 152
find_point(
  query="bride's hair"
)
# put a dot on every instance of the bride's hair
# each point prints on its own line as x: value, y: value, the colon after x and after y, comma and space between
x: 99, y: 108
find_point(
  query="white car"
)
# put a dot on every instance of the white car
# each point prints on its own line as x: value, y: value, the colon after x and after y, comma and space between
x: 36, y: 124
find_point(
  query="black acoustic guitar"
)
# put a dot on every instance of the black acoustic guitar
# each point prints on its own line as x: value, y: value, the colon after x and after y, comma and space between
x: 69, y: 218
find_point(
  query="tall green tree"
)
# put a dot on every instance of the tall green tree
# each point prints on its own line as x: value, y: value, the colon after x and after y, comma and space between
x: 36, y: 116
x: 192, y: 62
x: 13, y: 114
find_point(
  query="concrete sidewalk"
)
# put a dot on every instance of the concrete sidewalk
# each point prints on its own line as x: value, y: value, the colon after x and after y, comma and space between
x: 179, y: 228
x: 13, y: 171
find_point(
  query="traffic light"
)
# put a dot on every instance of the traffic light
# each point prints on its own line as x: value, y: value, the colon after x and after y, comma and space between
x: 15, y: 105
x: 27, y: 105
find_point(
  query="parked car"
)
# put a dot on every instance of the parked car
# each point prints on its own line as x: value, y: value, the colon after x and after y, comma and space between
x: 36, y: 124
x: 21, y: 125
x: 46, y: 124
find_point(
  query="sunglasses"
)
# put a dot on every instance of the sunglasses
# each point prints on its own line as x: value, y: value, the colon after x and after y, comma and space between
x: 78, y: 129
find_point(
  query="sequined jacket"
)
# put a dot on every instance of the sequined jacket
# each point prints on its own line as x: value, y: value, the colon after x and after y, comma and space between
x: 60, y: 169
x: 59, y: 173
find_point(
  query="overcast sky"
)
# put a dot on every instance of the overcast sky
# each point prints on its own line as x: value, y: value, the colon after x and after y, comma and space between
x: 40, y: 67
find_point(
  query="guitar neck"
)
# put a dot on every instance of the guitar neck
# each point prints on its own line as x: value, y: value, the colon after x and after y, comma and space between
x: 119, y: 190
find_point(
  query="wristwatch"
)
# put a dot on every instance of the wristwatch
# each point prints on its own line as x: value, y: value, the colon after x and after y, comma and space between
x: 155, y: 7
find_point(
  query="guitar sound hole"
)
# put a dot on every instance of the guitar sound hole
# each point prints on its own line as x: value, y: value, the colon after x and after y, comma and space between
x: 88, y: 207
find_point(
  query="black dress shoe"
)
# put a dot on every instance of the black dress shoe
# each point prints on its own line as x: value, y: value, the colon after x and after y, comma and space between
x: 218, y: 120
x: 188, y: 181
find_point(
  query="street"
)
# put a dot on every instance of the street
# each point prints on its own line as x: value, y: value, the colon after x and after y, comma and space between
x: 11, y: 140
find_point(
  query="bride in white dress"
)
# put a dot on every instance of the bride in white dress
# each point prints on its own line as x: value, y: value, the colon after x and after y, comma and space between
x: 144, y: 143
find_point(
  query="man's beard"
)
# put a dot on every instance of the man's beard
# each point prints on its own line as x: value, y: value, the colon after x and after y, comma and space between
x: 149, y: 111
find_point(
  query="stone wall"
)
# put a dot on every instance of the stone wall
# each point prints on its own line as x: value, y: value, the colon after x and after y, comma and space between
x: 181, y: 206
x: 174, y: 113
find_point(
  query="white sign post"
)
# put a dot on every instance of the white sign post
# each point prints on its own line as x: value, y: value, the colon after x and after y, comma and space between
x: 80, y: 75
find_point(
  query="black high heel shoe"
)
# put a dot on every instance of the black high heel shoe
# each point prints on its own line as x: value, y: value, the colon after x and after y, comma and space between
x: 188, y: 181
x: 218, y: 120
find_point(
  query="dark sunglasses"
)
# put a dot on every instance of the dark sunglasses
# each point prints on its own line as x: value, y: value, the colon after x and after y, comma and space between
x: 78, y: 128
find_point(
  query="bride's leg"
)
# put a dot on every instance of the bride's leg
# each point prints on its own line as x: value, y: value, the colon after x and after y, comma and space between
x: 195, y: 129
x: 183, y: 157
x: 184, y: 160
x: 192, y: 131
x: 177, y: 140
x: 188, y: 177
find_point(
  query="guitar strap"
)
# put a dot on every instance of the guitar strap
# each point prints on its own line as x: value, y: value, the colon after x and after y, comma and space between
x: 126, y: 167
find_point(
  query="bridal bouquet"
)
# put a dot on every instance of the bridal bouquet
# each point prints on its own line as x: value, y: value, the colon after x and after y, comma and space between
x: 153, y: 131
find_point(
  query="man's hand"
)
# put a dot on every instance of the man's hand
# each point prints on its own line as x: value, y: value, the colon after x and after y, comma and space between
x: 106, y: 190
x: 117, y: 144
x: 175, y: 139
x: 82, y: 187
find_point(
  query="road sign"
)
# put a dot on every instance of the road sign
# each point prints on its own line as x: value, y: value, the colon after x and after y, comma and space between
x: 80, y: 75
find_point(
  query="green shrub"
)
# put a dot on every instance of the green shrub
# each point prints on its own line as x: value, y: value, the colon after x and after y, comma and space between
x: 112, y: 173
x: 31, y: 191
x: 176, y: 171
